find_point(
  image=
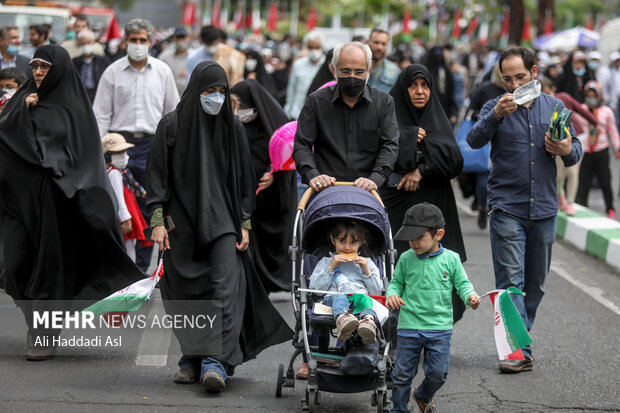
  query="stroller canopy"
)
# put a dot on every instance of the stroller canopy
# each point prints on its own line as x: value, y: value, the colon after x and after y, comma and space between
x: 345, y: 202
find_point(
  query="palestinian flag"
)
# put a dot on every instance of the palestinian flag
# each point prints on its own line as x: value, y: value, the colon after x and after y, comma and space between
x: 510, y: 332
x: 129, y: 298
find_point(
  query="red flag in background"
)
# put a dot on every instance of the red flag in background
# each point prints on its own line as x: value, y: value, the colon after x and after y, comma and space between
x: 456, y: 28
x: 273, y: 14
x: 256, y: 17
x: 473, y: 24
x: 526, y: 37
x: 312, y: 18
x: 548, y: 22
x: 503, y: 41
x: 589, y: 22
x: 215, y: 14
x: 114, y: 32
x: 238, y: 19
x: 406, y: 20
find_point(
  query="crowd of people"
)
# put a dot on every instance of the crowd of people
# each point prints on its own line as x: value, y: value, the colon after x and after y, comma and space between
x: 98, y: 142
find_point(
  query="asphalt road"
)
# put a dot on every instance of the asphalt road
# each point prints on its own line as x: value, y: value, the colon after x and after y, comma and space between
x: 576, y: 340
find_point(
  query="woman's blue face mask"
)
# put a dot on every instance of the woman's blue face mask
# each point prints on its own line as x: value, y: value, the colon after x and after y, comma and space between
x: 212, y: 103
x: 579, y: 72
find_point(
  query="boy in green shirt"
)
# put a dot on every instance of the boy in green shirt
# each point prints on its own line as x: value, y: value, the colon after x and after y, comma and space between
x: 422, y: 289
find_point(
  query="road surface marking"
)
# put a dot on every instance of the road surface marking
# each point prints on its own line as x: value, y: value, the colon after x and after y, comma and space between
x: 593, y: 292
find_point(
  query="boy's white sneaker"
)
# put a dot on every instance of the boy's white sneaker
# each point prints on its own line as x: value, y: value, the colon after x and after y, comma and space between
x: 367, y: 330
x: 346, y: 325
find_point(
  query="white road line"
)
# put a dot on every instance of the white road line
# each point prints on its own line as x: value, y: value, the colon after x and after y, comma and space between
x: 154, y: 343
x: 594, y: 292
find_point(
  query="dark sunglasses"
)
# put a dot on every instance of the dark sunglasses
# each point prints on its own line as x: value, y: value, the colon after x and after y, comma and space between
x: 45, y: 67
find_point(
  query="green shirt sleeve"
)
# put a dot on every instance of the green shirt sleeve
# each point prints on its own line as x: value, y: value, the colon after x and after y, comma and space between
x: 157, y: 218
x: 247, y: 224
x: 397, y: 285
x: 461, y: 282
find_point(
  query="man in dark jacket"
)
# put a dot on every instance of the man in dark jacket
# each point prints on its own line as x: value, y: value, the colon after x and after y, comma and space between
x: 89, y: 65
x: 9, y: 50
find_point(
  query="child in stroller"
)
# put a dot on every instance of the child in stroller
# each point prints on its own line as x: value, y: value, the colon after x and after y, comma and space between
x: 345, y: 272
x: 350, y: 366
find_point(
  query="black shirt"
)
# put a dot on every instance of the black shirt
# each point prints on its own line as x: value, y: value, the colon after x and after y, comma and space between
x: 349, y: 143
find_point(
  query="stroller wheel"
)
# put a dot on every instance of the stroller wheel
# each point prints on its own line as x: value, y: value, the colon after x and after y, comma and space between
x: 312, y: 399
x: 382, y: 403
x: 280, y: 380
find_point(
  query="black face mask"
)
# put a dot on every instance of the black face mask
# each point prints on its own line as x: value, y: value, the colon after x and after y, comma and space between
x: 351, y: 86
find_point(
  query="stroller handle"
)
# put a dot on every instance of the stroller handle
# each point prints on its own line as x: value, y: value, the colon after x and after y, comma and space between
x: 306, y: 196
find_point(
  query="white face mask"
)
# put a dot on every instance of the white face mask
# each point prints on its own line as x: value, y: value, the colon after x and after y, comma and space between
x: 10, y: 91
x: 182, y: 45
x: 247, y: 115
x: 250, y: 65
x: 88, y: 49
x: 137, y: 52
x: 211, y: 49
x: 120, y: 160
x: 315, y: 55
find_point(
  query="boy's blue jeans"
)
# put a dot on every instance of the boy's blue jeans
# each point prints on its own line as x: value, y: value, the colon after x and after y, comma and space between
x: 521, y: 251
x: 340, y: 304
x: 436, y: 346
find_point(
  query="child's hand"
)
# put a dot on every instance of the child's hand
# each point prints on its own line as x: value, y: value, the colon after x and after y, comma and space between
x: 126, y: 226
x: 363, y: 263
x: 394, y: 302
x: 336, y: 260
x: 474, y: 301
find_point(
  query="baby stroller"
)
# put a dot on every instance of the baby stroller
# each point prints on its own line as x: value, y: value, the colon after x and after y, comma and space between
x: 313, y: 332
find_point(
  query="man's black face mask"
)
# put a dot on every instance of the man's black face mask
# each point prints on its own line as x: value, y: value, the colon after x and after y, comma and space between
x: 351, y: 86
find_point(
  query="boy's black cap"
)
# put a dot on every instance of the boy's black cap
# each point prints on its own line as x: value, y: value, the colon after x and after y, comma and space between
x: 418, y: 219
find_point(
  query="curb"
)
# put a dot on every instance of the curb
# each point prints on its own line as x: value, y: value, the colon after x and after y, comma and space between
x: 592, y: 233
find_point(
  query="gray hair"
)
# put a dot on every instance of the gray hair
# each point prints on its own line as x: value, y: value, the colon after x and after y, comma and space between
x: 345, y: 46
x: 313, y: 36
x: 86, y: 33
x: 137, y: 25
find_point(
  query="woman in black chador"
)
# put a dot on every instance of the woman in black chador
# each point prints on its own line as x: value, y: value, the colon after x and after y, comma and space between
x: 200, y: 174
x: 272, y: 220
x: 59, y: 220
x: 428, y: 158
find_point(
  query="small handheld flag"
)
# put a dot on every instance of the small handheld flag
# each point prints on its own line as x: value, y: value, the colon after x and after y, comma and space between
x: 510, y: 332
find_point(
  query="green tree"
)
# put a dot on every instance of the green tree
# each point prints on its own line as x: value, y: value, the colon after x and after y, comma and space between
x: 121, y: 4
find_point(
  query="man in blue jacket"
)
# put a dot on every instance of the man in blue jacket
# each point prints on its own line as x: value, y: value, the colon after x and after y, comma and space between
x: 522, y: 186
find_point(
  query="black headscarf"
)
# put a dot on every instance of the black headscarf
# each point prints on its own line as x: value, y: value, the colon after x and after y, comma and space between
x: 443, y: 85
x: 324, y: 73
x: 262, y: 76
x: 569, y: 82
x: 442, y: 155
x: 52, y: 134
x: 205, y: 156
x: 270, y: 117
x: 76, y: 231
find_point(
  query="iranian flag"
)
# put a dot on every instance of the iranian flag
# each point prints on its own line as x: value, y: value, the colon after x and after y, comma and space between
x: 129, y: 298
x: 510, y: 332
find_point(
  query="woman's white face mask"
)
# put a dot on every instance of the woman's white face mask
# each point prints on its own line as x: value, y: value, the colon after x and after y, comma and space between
x: 250, y: 65
x: 247, y: 115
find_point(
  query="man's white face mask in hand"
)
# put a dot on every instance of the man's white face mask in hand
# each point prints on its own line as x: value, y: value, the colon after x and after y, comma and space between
x: 527, y: 92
